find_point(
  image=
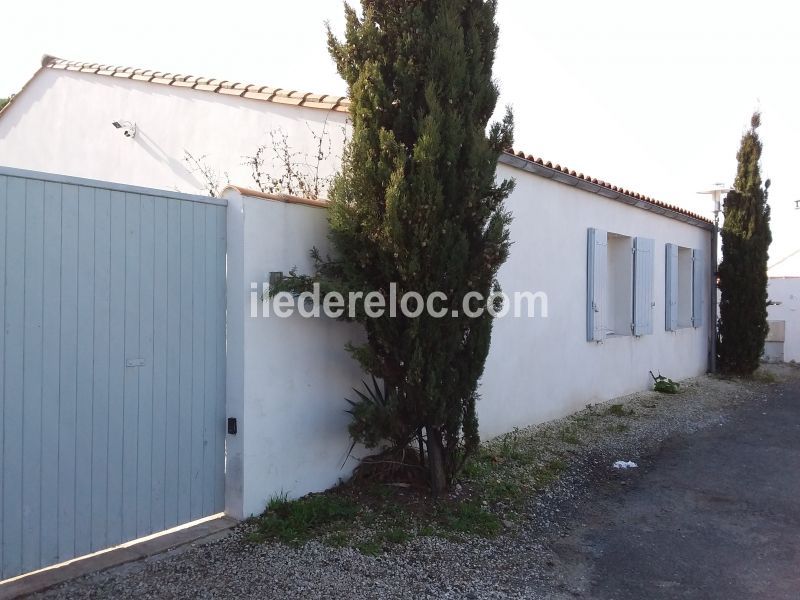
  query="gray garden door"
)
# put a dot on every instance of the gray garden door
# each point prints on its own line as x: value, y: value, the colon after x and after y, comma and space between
x: 112, y: 365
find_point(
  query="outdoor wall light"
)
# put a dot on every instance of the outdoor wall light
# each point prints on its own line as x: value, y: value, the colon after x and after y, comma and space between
x: 275, y: 277
x: 128, y: 128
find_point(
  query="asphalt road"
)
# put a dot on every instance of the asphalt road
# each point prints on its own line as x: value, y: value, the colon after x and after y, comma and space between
x: 714, y: 514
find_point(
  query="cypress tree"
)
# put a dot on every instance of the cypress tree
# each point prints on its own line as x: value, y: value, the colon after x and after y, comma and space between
x: 743, y: 272
x: 416, y: 203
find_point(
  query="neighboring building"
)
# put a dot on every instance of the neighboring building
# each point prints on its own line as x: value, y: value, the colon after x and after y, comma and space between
x: 627, y: 278
x: 61, y: 121
x: 783, y: 341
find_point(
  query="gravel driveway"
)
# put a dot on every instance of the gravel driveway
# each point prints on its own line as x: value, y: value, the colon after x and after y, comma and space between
x: 594, y: 533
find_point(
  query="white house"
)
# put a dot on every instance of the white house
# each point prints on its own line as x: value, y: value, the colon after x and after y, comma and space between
x: 61, y: 121
x: 626, y: 278
x: 783, y: 341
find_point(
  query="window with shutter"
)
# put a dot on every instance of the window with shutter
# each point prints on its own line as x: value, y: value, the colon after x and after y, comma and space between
x: 618, y: 312
x: 679, y: 287
x: 596, y: 270
x: 698, y: 286
x: 643, y: 263
x: 671, y: 288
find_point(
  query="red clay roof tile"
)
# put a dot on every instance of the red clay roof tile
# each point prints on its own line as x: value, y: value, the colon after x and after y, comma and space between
x: 264, y: 93
x: 296, y: 98
x: 600, y: 182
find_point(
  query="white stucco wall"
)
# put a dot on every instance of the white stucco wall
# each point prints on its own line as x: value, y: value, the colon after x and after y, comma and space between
x: 61, y: 123
x: 287, y: 377
x: 786, y: 290
x: 540, y: 369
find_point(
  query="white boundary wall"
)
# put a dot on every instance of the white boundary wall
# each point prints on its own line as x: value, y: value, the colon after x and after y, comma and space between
x: 786, y: 290
x: 287, y: 377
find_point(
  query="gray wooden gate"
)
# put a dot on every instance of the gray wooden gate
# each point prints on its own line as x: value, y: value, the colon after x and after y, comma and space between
x: 112, y: 365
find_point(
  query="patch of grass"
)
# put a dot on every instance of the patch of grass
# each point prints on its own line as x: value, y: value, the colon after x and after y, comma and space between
x: 295, y: 521
x: 618, y: 428
x: 478, y: 466
x: 497, y: 490
x: 570, y: 436
x: 373, y: 517
x: 395, y: 535
x: 469, y: 518
x: 370, y: 548
x: 619, y: 410
x: 338, y: 539
x: 380, y: 490
x: 549, y: 472
x: 584, y: 419
x: 510, y: 449
x: 763, y: 376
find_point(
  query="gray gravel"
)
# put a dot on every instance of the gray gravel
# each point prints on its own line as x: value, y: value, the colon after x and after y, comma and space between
x: 517, y: 564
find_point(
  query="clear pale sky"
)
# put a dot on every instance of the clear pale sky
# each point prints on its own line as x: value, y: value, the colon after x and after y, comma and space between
x: 650, y: 96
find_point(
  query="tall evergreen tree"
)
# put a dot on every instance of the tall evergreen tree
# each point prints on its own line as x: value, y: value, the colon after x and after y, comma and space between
x: 746, y: 238
x: 417, y: 204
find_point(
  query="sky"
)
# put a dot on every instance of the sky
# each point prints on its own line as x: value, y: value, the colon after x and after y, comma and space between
x: 653, y: 97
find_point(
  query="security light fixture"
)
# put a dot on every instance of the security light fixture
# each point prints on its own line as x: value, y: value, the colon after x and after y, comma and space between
x: 716, y: 197
x: 128, y: 128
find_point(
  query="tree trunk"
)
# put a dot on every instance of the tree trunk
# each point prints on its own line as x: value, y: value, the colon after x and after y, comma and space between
x: 436, y: 466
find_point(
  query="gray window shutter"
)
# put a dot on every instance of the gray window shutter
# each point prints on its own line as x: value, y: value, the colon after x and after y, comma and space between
x: 698, y: 286
x: 643, y: 259
x: 671, y: 295
x: 596, y: 275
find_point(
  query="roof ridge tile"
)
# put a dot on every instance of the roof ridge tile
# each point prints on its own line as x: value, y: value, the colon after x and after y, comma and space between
x: 222, y: 86
x: 634, y: 195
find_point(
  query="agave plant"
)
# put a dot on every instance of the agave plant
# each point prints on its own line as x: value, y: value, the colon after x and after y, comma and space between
x: 665, y: 384
x: 375, y: 419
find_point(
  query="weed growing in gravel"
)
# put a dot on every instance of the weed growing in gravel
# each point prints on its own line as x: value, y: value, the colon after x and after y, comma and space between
x: 496, y: 483
x: 498, y: 490
x: 470, y: 518
x: 426, y: 531
x: 370, y: 548
x: 618, y: 428
x: 296, y: 521
x: 570, y: 436
x: 396, y: 535
x: 338, y: 539
x: 585, y: 419
x: 549, y: 472
x: 619, y: 410
x: 764, y: 376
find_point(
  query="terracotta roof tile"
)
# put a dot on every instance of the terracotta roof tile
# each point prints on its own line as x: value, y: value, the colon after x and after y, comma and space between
x: 310, y: 100
x: 220, y: 86
x: 599, y: 182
